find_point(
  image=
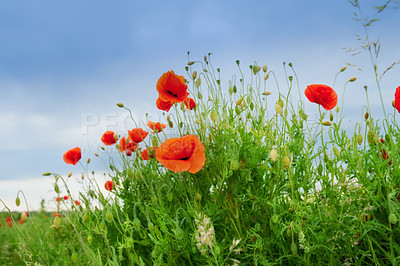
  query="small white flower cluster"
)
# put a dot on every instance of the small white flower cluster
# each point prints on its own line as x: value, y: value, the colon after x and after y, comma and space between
x: 205, y: 233
x: 235, y: 242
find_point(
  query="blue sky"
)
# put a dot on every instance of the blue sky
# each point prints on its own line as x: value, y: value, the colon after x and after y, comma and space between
x: 64, y: 65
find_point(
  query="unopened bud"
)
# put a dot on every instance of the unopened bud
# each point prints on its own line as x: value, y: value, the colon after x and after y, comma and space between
x: 359, y: 139
x: 366, y: 115
x: 109, y: 216
x: 278, y: 108
x: 234, y: 89
x: 393, y: 218
x: 235, y: 165
x: 256, y: 69
x: 265, y: 68
x: 266, y: 76
x: 46, y: 174
x: 120, y: 105
x: 198, y: 197
x: 239, y: 101
x: 168, y: 117
x: 95, y: 154
x: 205, y: 58
x: 273, y: 155
x: 280, y: 102
x: 370, y: 136
x: 266, y: 93
x: 352, y: 79
x: 56, y: 188
x: 23, y: 217
x: 170, y: 124
x: 57, y: 222
x: 326, y: 123
x: 70, y: 174
x: 274, y: 218
x: 74, y: 257
x: 336, y: 151
x: 286, y: 162
x: 331, y: 117
x: 394, y: 103
x: 115, y: 136
x: 17, y: 201
x: 194, y: 74
x: 88, y: 161
x: 337, y: 109
x: 197, y: 82
x: 85, y: 217
x: 190, y: 63
x: 343, y: 68
x: 213, y: 116
x: 83, y: 176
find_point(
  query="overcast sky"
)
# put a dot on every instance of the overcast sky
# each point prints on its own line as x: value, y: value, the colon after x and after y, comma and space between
x: 64, y: 65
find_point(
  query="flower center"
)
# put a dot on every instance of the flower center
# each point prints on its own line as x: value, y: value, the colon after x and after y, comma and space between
x: 170, y: 92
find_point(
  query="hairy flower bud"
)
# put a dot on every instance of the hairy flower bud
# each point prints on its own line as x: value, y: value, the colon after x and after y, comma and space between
x: 286, y: 162
x: 198, y: 82
x: 235, y: 165
x: 394, y: 103
x: 366, y: 115
x: 359, y: 139
x: 393, y: 218
x: 109, y: 216
x: 265, y: 68
x: 239, y: 101
x: 17, y: 201
x: 352, y: 79
x: 266, y: 76
x: 266, y: 93
x: 23, y: 217
x: 278, y: 108
x: 336, y: 151
x: 56, y: 188
x: 46, y: 174
x: 370, y: 136
x: 194, y: 74
x: 120, y: 105
x: 273, y: 155
x: 190, y: 63
x: 326, y: 123
x: 213, y: 116
x: 343, y: 68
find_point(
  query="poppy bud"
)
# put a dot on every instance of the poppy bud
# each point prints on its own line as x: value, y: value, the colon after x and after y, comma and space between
x: 266, y: 76
x: 205, y: 58
x: 70, y: 174
x: 366, y: 115
x: 337, y: 109
x: 198, y: 197
x: 150, y: 225
x: 286, y: 162
x: 237, y: 109
x: 88, y: 161
x: 239, y: 101
x: 46, y: 174
x: 265, y: 68
x: 194, y: 74
x: 168, y: 117
x: 256, y: 69
x: 213, y: 116
x: 280, y: 102
x: 74, y: 257
x: 136, y: 223
x: 293, y: 247
x: 230, y: 90
x: 336, y: 151
x: 89, y: 238
x: 23, y: 217
x: 393, y: 103
x: 115, y: 136
x: 274, y: 218
x: 82, y: 176
x: 370, y: 136
x: 197, y: 82
x: 343, y: 68
x: 170, y: 196
x: 273, y: 155
x: 326, y: 123
x: 234, y: 89
x: 120, y: 105
x: 393, y: 218
x: 85, y: 217
x: 266, y: 93
x: 56, y: 188
x: 234, y: 165
x: 331, y: 117
x: 57, y: 221
x: 278, y: 108
x: 154, y: 141
x: 359, y: 139
x: 96, y: 155
x: 170, y: 124
x: 251, y: 106
x: 352, y: 79
x: 190, y: 63
x: 109, y: 216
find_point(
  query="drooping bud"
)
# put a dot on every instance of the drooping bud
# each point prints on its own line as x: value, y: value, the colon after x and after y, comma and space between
x: 46, y: 174
x: 120, y: 105
x: 370, y: 136
x: 265, y: 68
x: 239, y: 101
x: 343, y: 68
x: 278, y: 108
x: 95, y: 154
x: 170, y: 124
x: 336, y: 151
x: 337, y: 109
x: 326, y: 123
x: 17, y: 201
x: 359, y: 139
x: 266, y: 76
x: 266, y: 93
x: 194, y: 74
x: 115, y: 136
x: 168, y: 117
x: 109, y: 216
x: 280, y: 102
x: 394, y: 103
x: 70, y: 174
x: 88, y: 161
x: 56, y: 188
x: 234, y: 89
x: 352, y: 79
x: 331, y: 117
x: 197, y: 82
x: 256, y: 69
x: 393, y: 218
x: 23, y: 217
x: 234, y: 165
x: 273, y: 155
x: 366, y: 115
x: 190, y: 63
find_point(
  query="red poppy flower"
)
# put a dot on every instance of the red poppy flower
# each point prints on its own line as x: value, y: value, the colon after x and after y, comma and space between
x: 58, y: 199
x: 321, y: 94
x: 10, y: 224
x: 72, y: 156
x: 190, y: 103
x: 148, y: 153
x: 108, y: 138
x: 182, y: 154
x: 383, y: 152
x: 20, y: 221
x: 122, y: 144
x: 77, y: 203
x: 0, y: 224
x: 66, y: 197
x: 172, y: 87
x: 397, y: 99
x: 163, y: 105
x: 137, y: 134
x: 57, y: 214
x: 109, y: 185
x: 156, y: 126
x: 8, y: 219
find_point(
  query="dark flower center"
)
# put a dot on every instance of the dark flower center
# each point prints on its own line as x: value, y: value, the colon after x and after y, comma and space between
x: 170, y: 92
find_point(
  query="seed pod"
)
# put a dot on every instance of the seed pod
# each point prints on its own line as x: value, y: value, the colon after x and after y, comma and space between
x: 17, y: 201
x: 359, y: 139
x: 120, y: 105
x: 194, y: 74
x: 393, y: 218
x: 343, y: 68
x: 265, y: 68
x: 286, y: 162
x: 278, y: 108
x: 352, y: 79
x: 273, y: 155
x: 109, y: 216
x: 56, y: 188
x: 366, y: 115
x: 326, y: 123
